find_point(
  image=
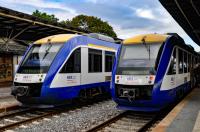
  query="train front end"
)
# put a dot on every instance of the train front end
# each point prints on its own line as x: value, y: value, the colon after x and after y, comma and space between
x: 32, y: 76
x: 134, y: 76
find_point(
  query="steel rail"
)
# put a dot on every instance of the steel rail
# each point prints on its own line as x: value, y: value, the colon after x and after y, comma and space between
x: 45, y: 113
x: 119, y: 117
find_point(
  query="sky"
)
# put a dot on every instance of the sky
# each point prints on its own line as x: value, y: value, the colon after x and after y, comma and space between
x: 127, y: 17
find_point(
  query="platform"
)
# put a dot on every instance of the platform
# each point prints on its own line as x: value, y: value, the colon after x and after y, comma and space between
x: 5, y: 92
x: 185, y: 117
x: 6, y: 99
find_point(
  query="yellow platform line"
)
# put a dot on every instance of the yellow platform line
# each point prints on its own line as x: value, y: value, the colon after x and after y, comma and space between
x: 197, y: 124
x: 162, y: 126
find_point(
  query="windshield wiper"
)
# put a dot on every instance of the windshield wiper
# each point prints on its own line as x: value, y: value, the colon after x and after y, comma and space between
x: 47, y: 51
x: 147, y: 48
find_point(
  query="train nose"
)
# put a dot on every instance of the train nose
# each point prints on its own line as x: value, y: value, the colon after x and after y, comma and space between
x: 19, y: 91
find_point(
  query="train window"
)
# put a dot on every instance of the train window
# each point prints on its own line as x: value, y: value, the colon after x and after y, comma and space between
x: 109, y: 59
x: 95, y: 60
x: 192, y: 66
x: 185, y: 63
x: 172, y: 67
x: 180, y: 62
x: 194, y: 61
x: 189, y: 62
x: 73, y: 64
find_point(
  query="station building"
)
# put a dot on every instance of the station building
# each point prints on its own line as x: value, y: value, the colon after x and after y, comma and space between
x: 11, y: 53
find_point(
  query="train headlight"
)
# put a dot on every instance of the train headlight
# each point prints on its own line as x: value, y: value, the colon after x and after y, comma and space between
x: 151, y: 79
x: 117, y: 79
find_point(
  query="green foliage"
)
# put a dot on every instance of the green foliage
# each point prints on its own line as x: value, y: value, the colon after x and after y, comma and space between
x: 45, y: 16
x: 93, y: 24
x: 67, y: 22
x: 90, y: 23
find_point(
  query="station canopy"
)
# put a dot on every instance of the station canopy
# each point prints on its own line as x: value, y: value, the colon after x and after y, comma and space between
x: 187, y: 14
x: 23, y: 27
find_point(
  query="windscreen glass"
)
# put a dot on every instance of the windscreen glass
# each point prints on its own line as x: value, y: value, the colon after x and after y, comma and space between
x: 138, y: 59
x: 39, y: 58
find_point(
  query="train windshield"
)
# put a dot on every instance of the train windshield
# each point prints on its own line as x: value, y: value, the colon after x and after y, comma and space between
x: 138, y: 59
x: 39, y: 58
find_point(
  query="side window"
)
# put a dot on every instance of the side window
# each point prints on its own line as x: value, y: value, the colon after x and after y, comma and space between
x: 73, y: 64
x: 196, y: 62
x: 95, y: 60
x: 172, y: 67
x: 185, y: 63
x: 189, y: 62
x: 192, y: 62
x: 194, y: 59
x: 180, y: 62
x: 109, y: 59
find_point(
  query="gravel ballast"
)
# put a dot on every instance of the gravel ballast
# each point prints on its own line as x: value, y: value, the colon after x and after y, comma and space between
x: 74, y: 121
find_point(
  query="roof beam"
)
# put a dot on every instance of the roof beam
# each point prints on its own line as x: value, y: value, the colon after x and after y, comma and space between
x: 179, y: 7
x: 39, y: 23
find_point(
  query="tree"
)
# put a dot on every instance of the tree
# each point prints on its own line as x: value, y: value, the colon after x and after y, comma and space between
x: 67, y: 22
x: 93, y: 24
x: 45, y: 16
x: 90, y: 23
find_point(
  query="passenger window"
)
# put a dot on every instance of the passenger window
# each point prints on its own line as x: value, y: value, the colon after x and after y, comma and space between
x: 192, y: 62
x: 95, y: 60
x: 172, y: 67
x: 180, y: 62
x: 196, y: 61
x: 185, y: 63
x: 189, y: 62
x: 73, y: 64
x: 109, y: 59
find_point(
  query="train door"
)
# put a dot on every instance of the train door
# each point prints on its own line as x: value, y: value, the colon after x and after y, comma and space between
x: 180, y: 69
x: 190, y: 72
x: 186, y: 75
x: 169, y: 81
x: 183, y: 76
x: 92, y: 65
x: 108, y: 64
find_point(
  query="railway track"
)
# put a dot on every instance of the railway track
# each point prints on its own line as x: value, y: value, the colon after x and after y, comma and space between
x: 24, y: 116
x: 127, y: 122
x: 14, y: 119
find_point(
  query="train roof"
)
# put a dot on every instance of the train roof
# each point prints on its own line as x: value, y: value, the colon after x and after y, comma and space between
x: 93, y: 42
x: 59, y: 38
x: 148, y: 38
x: 55, y: 38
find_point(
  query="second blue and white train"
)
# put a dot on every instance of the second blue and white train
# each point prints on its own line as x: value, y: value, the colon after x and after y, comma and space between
x: 152, y: 71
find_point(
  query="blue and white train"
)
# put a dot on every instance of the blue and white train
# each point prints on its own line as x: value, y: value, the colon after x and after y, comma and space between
x: 59, y: 68
x: 152, y: 71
